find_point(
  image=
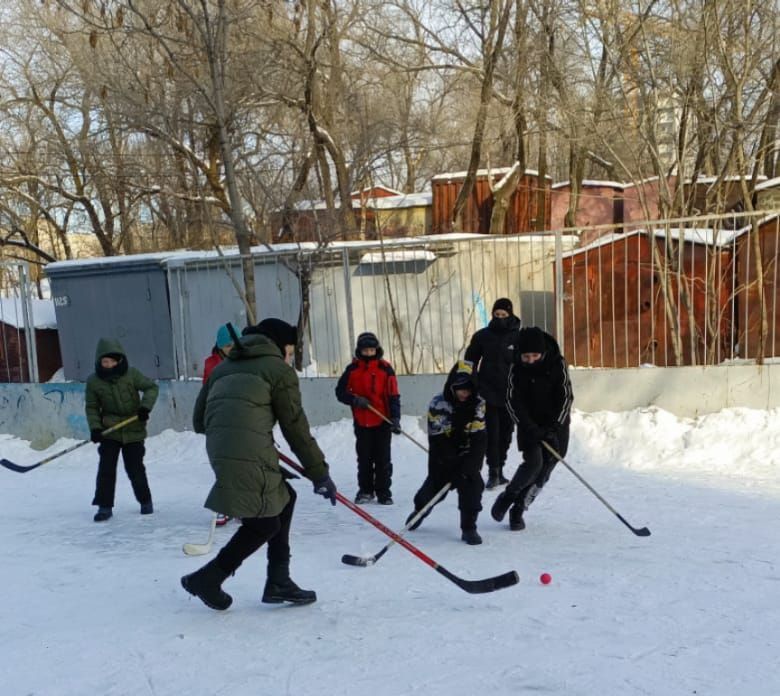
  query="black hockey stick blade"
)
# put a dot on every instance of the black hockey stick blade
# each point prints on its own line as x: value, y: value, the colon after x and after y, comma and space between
x: 362, y: 561
x: 8, y: 464
x: 498, y: 582
x: 643, y: 531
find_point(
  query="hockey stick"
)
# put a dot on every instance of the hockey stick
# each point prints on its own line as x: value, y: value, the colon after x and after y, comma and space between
x: 201, y: 549
x: 364, y: 561
x: 497, y: 582
x: 643, y: 531
x: 403, y: 432
x: 24, y: 469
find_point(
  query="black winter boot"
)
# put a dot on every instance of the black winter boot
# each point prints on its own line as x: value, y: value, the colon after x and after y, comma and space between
x: 502, y: 504
x: 280, y: 588
x: 103, y: 514
x: 468, y: 527
x: 493, y: 479
x: 516, y: 521
x: 502, y: 480
x: 471, y: 537
x: 206, y: 585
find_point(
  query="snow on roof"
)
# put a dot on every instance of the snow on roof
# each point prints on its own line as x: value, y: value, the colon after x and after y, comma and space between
x: 707, y: 236
x: 768, y: 184
x: 399, y: 256
x: 320, y: 205
x: 592, y: 182
x: 183, y: 257
x: 497, y: 172
x: 408, y: 200
x: 43, y: 315
x: 641, y: 182
x: 109, y: 260
x: 378, y: 187
x: 713, y: 179
x: 767, y: 218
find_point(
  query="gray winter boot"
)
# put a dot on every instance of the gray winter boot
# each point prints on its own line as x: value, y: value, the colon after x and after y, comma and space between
x: 280, y: 588
x: 206, y: 585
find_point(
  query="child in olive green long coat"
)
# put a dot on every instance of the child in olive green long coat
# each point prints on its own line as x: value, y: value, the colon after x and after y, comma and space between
x: 112, y: 396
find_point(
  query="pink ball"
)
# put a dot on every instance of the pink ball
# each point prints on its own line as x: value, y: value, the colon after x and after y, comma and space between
x: 545, y: 578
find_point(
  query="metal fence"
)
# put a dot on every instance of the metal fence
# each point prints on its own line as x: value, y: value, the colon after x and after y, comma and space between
x: 691, y: 291
x: 18, y: 349
x: 677, y: 292
x: 423, y: 297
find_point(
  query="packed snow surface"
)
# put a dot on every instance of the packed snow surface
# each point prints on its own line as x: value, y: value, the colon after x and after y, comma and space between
x: 97, y: 610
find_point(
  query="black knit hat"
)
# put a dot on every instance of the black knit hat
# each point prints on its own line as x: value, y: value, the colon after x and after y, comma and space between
x: 280, y: 332
x: 531, y: 340
x: 502, y: 303
x: 368, y: 340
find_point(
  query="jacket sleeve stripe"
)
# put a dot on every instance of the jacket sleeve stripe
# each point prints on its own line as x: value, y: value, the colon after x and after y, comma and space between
x: 568, y: 395
x: 510, y: 388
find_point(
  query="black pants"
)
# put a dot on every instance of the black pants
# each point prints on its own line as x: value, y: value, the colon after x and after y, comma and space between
x: 500, y: 428
x: 133, y: 457
x: 464, y: 476
x: 537, y: 465
x: 375, y: 469
x: 256, y: 531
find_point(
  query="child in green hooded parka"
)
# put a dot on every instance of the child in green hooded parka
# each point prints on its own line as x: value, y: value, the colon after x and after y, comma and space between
x: 112, y: 395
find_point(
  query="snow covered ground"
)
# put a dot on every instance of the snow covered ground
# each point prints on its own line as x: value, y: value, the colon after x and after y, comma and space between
x: 96, y: 609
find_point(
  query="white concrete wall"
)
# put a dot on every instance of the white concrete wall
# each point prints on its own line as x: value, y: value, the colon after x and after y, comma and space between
x: 42, y: 413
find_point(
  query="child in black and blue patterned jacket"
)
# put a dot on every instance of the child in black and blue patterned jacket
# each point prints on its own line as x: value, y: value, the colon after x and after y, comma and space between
x: 457, y: 440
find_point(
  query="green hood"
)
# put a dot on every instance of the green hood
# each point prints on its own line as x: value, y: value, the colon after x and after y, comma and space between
x: 108, y: 346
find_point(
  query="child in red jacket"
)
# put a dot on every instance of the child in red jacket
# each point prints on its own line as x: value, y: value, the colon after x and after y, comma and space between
x: 369, y: 381
x: 220, y: 351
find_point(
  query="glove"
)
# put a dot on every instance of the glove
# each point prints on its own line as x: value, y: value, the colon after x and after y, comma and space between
x: 143, y: 414
x: 360, y: 402
x: 326, y: 488
x: 96, y: 436
x: 395, y: 428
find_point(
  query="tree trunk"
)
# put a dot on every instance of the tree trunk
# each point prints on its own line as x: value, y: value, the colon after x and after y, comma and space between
x: 216, y: 67
x: 493, y: 44
x: 502, y: 197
